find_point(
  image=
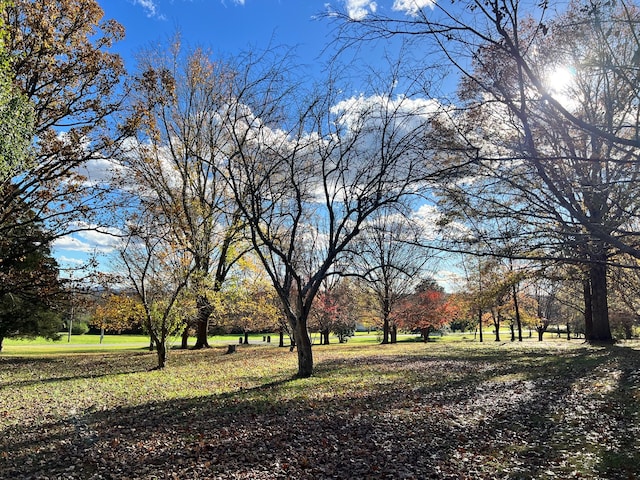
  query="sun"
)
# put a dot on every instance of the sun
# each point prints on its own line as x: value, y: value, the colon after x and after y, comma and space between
x: 561, y: 78
x: 560, y: 84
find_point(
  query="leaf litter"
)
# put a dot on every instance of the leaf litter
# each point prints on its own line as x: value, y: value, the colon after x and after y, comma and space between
x: 408, y: 411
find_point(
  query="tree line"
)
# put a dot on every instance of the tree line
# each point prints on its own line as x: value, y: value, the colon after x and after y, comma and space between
x: 217, y: 171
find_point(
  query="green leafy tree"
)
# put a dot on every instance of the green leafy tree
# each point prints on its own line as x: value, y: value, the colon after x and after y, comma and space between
x: 31, y: 293
x: 16, y: 114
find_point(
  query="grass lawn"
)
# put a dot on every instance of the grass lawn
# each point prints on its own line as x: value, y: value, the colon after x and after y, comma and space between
x: 440, y: 410
x: 91, y: 343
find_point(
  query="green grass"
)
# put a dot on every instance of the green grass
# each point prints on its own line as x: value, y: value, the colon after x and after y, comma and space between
x: 91, y: 343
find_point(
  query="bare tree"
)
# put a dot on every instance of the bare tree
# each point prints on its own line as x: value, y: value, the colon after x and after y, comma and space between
x: 308, y: 179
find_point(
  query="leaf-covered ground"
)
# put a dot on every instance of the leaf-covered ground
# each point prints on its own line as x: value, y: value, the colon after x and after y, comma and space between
x: 554, y: 411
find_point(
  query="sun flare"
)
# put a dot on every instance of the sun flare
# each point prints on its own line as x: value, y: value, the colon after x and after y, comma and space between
x: 560, y: 82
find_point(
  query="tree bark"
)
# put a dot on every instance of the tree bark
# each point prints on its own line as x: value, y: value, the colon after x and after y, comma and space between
x: 185, y: 338
x: 385, y: 329
x: 1, y: 341
x: 425, y: 334
x: 516, y: 307
x: 246, y: 338
x: 540, y: 331
x: 480, y: 324
x: 394, y: 333
x: 281, y: 344
x: 303, y: 345
x: 599, y: 305
x: 161, y: 351
x: 588, y: 314
x: 202, y: 322
x: 496, y: 324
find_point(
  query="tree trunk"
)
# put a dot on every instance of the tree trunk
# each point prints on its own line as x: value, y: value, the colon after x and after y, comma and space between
x: 151, y: 344
x: 246, y: 338
x: 540, y: 331
x: 1, y: 341
x: 516, y: 307
x: 185, y: 338
x: 202, y: 322
x: 599, y: 306
x: 425, y: 334
x: 281, y: 344
x: 588, y: 314
x: 325, y: 337
x: 385, y: 329
x: 303, y: 344
x: 394, y: 333
x: 628, y: 331
x: 512, y: 327
x: 480, y: 324
x: 161, y: 352
x: 496, y: 325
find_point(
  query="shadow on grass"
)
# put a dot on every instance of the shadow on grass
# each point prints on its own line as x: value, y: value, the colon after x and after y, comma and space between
x: 488, y: 414
x: 50, y: 369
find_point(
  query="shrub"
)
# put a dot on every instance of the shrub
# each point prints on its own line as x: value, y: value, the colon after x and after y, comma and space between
x: 79, y: 328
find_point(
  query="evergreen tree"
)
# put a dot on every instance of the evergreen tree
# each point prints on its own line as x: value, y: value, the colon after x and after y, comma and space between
x: 31, y: 292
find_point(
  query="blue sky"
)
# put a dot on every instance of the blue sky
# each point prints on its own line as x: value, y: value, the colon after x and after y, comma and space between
x: 230, y: 26
x: 225, y: 26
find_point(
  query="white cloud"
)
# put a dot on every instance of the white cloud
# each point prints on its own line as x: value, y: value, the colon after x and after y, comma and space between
x: 450, y: 280
x: 87, y: 242
x: 150, y: 7
x: 412, y: 7
x: 69, y: 261
x: 358, y: 9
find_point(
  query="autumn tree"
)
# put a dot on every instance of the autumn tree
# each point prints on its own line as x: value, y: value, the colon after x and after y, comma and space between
x: 118, y: 312
x: 560, y: 88
x: 60, y: 63
x: 426, y: 310
x: 545, y: 292
x: 250, y: 304
x: 309, y: 169
x: 173, y: 144
x: 334, y: 310
x: 390, y: 255
x: 158, y: 270
x: 625, y: 304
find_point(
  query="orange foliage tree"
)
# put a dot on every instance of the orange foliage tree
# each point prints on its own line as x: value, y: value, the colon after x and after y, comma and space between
x: 426, y: 310
x: 119, y: 312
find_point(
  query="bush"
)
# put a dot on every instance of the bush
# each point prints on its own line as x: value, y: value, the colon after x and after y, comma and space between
x: 79, y: 328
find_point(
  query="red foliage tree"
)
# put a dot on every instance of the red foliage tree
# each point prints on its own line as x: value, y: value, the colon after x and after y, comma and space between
x: 426, y: 310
